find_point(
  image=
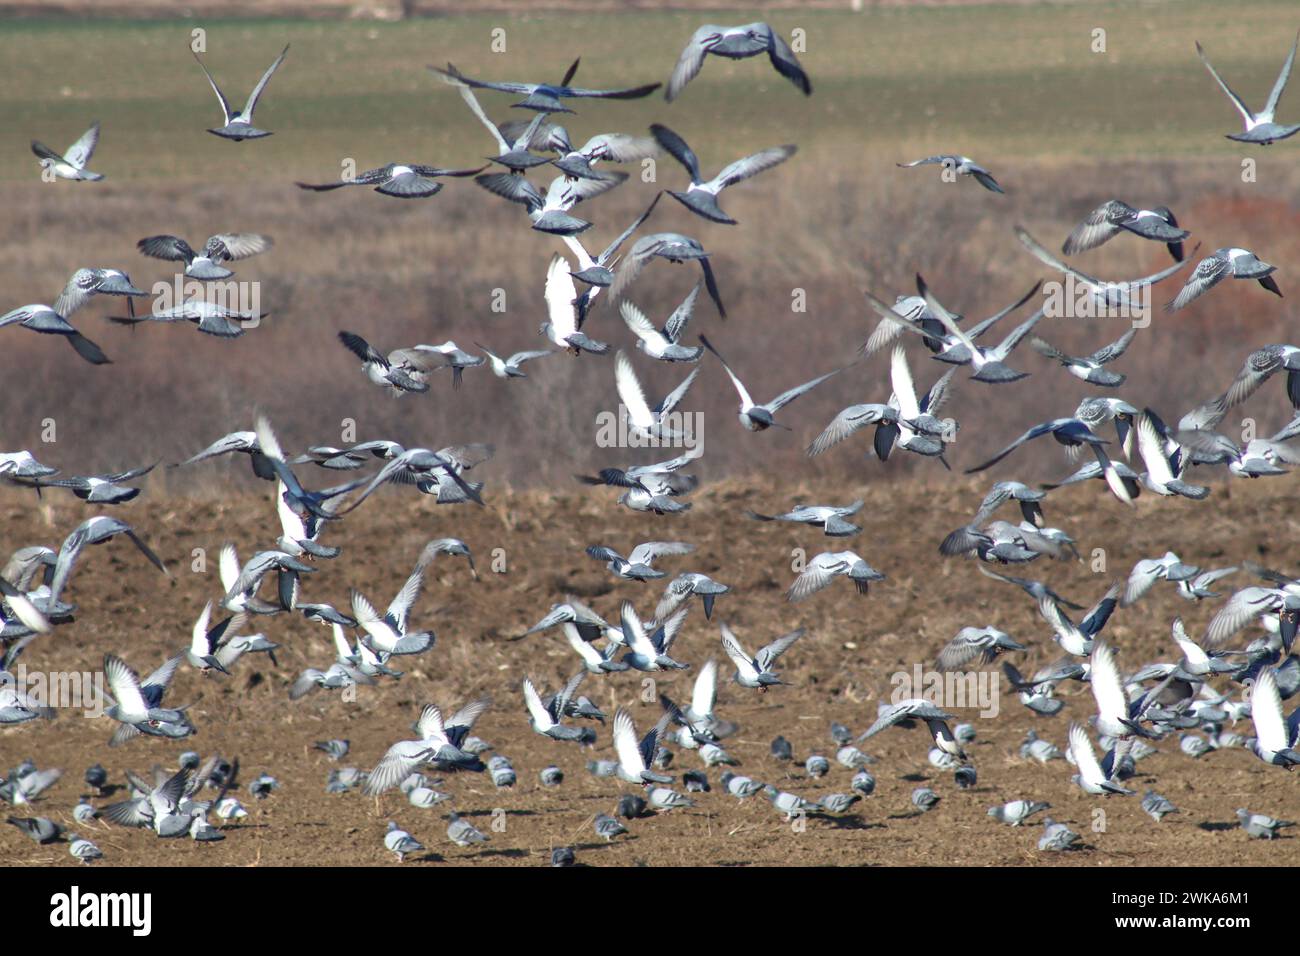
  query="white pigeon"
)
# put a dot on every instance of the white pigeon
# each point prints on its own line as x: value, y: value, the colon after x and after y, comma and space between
x: 1274, y: 737
x: 642, y: 419
x: 563, y: 325
x: 635, y: 758
x: 1108, y: 691
x: 1091, y: 778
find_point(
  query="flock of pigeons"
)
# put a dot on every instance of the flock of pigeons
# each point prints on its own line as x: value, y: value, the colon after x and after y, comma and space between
x: 1194, y: 700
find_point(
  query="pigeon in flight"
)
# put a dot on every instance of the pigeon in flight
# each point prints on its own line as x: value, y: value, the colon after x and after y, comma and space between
x: 1275, y: 738
x: 238, y: 126
x: 511, y: 367
x: 757, y: 671
x: 401, y: 180
x: 833, y: 520
x: 960, y: 166
x: 1115, y: 216
x: 701, y: 196
x: 1260, y: 128
x: 1222, y: 263
x: 545, y: 720
x: 1092, y: 778
x: 674, y: 247
x: 45, y: 320
x: 639, y: 564
x: 543, y: 97
x: 1089, y: 367
x: 206, y: 265
x: 663, y: 344
x: 936, y: 721
x: 821, y: 570
x: 636, y: 757
x: 71, y: 164
x: 753, y: 416
x: 736, y: 43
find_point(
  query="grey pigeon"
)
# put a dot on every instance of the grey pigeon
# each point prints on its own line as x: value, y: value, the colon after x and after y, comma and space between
x: 736, y: 43
x: 1157, y: 806
x: 960, y: 166
x: 334, y: 749
x: 83, y: 850
x: 343, y: 779
x: 237, y: 124
x: 941, y: 760
x: 831, y: 519
x: 839, y: 802
x: 935, y: 720
x: 790, y: 804
x: 701, y: 197
x: 631, y: 806
x: 1260, y: 826
x: 502, y: 773
x: 1017, y: 812
x: 84, y: 812
x: 401, y: 842
x: 462, y: 832
x: 1260, y: 128
x: 1115, y: 216
x: 41, y: 829
x: 661, y: 798
x: 608, y: 827
x: 864, y: 783
x: 544, y: 97
x: 96, y: 777
x: 1038, y: 749
x: 425, y: 797
x: 982, y: 644
x: 851, y: 757
x: 71, y: 165
x: 696, y: 781
x: 635, y: 757
x: 1057, y: 837
x: 562, y: 856
x: 924, y: 799
x: 201, y: 831
x: 738, y: 786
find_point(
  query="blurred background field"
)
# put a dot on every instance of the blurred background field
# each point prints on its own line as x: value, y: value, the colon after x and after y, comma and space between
x: 1015, y: 86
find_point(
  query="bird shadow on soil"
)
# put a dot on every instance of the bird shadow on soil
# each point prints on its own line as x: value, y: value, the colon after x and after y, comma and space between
x: 852, y: 823
x: 513, y: 854
x: 1214, y: 827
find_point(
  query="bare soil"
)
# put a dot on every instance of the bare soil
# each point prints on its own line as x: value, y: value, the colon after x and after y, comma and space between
x: 837, y: 673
